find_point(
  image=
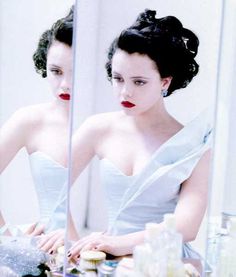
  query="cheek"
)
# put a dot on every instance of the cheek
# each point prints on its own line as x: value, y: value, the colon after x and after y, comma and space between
x: 116, y: 88
x: 52, y: 81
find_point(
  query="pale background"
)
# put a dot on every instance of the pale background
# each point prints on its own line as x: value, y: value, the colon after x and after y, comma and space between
x: 21, y: 24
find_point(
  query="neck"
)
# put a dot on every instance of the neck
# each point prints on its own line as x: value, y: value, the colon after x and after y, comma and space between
x: 156, y: 116
x: 63, y: 108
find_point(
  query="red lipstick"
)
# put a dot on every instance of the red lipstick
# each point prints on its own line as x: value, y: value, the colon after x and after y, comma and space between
x: 127, y: 104
x: 65, y: 96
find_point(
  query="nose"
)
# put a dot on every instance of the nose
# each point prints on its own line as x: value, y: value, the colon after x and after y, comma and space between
x: 66, y: 83
x: 126, y: 91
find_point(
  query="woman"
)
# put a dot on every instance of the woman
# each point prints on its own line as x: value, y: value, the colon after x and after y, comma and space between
x: 44, y: 130
x: 150, y: 163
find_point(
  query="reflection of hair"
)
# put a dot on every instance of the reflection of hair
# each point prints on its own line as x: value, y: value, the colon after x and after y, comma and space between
x: 61, y: 30
x: 166, y: 42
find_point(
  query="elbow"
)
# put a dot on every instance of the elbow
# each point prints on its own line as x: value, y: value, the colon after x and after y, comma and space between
x: 189, y: 236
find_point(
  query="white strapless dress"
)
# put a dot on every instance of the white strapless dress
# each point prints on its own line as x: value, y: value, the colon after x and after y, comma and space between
x: 50, y: 180
x: 132, y: 201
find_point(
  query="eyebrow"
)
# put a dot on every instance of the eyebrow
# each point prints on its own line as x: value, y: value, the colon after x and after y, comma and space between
x: 133, y: 77
x: 54, y: 65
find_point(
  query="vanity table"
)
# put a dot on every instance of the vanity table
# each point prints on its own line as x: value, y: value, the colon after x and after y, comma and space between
x: 128, y: 269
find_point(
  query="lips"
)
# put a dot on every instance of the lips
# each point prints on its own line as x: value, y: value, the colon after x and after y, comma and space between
x: 127, y: 104
x: 65, y: 96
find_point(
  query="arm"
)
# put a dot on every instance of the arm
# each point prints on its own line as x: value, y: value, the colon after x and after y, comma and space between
x: 13, y: 136
x: 193, y: 198
x: 189, y: 213
x: 12, y: 139
x: 83, y: 146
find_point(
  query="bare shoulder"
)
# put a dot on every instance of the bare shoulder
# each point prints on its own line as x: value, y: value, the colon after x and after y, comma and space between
x: 102, y: 122
x: 30, y: 115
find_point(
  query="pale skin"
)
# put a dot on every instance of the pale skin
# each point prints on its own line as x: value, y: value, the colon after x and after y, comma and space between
x: 128, y: 139
x: 43, y: 127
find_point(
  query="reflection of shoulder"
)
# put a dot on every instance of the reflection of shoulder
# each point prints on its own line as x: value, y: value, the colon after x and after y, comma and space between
x: 31, y: 115
x: 102, y: 121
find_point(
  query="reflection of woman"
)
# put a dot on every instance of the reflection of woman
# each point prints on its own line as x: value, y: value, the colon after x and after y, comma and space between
x: 150, y: 163
x: 43, y: 129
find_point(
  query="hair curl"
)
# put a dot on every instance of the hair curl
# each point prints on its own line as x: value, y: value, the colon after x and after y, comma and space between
x: 61, y: 30
x: 171, y: 46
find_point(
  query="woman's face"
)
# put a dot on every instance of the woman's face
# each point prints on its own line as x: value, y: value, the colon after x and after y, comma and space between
x: 59, y: 70
x: 136, y: 81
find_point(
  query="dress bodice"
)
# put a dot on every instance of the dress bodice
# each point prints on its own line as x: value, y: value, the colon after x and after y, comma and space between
x: 132, y: 201
x: 50, y: 179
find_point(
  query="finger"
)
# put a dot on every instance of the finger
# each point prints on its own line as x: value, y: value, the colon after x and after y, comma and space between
x: 55, y: 242
x: 75, y: 250
x: 90, y: 246
x: 30, y: 230
x: 39, y: 230
x: 47, y: 242
x: 46, y: 238
x: 104, y: 247
x: 58, y: 243
x: 74, y: 256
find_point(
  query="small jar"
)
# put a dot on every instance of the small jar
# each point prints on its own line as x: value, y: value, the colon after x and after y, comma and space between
x: 90, y: 260
x: 107, y: 269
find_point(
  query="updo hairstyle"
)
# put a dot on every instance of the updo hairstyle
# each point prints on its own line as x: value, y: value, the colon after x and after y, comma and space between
x: 62, y: 31
x: 171, y: 46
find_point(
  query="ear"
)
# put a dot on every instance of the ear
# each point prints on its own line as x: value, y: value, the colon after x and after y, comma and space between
x: 166, y: 82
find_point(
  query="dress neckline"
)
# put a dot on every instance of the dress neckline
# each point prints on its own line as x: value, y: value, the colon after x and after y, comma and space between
x: 194, y: 123
x: 152, y: 157
x: 48, y: 157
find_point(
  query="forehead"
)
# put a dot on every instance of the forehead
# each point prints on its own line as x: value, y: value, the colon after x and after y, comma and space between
x: 59, y: 52
x: 135, y: 62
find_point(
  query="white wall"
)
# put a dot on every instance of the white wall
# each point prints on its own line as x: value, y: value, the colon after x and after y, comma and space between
x: 21, y: 24
x: 98, y: 24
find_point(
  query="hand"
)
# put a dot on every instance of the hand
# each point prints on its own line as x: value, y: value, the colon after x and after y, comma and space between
x: 52, y: 241
x: 114, y: 245
x: 35, y: 229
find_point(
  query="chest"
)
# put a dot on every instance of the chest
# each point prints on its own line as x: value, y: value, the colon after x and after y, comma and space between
x: 129, y: 153
x: 51, y: 140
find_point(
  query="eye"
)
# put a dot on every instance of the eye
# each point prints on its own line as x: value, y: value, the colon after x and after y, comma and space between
x: 139, y: 82
x: 117, y: 79
x: 56, y: 71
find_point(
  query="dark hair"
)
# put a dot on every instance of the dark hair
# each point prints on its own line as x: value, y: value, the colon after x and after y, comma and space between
x: 171, y: 46
x: 61, y: 30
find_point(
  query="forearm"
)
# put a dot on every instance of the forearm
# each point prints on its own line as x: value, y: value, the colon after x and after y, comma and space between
x: 72, y: 232
x: 188, y: 223
x: 131, y: 240
x: 3, y: 228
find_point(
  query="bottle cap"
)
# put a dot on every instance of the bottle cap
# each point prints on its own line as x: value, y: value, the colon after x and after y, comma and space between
x: 152, y: 231
x: 169, y: 220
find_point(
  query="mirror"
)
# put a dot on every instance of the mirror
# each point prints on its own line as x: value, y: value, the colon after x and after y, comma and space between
x: 222, y: 208
x: 34, y: 184
x: 94, y: 93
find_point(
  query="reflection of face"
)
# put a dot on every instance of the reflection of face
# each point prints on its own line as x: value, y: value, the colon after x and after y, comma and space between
x: 136, y: 81
x: 59, y: 70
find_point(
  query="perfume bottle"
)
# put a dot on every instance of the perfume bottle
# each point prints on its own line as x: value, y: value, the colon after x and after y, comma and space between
x: 227, y: 257
x: 173, y: 247
x: 149, y: 257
